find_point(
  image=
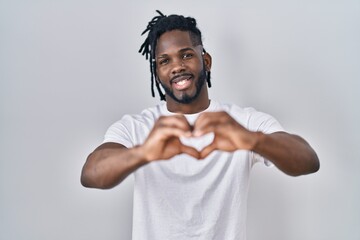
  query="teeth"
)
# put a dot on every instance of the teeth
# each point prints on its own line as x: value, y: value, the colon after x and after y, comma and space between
x: 182, y: 82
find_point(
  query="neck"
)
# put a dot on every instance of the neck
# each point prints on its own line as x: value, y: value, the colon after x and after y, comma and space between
x: 198, y: 105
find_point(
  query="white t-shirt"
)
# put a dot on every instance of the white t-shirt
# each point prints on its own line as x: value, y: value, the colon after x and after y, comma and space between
x: 184, y: 198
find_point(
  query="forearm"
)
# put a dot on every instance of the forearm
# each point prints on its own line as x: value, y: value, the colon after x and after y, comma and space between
x: 290, y: 153
x: 108, y: 166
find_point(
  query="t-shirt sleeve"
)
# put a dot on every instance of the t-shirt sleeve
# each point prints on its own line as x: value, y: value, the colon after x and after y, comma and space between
x: 119, y: 132
x: 262, y: 122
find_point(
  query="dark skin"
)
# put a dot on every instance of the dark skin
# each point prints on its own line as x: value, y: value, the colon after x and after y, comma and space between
x: 111, y: 163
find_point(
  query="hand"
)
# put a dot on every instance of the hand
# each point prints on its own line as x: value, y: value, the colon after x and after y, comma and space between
x: 229, y: 135
x: 164, y: 142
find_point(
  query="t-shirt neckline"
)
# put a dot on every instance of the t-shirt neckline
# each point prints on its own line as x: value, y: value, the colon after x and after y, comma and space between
x: 211, y: 107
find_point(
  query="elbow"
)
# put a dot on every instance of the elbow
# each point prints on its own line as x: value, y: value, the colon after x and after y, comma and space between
x: 87, y: 174
x: 90, y: 179
x: 89, y: 182
x: 315, y: 164
x: 85, y: 182
x: 312, y: 165
x: 86, y: 179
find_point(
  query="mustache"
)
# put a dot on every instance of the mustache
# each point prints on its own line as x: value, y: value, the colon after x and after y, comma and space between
x: 182, y: 75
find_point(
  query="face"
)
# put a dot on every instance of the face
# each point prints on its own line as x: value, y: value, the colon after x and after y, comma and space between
x: 181, y: 67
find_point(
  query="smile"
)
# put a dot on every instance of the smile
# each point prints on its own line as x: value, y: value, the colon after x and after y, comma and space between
x: 182, y: 82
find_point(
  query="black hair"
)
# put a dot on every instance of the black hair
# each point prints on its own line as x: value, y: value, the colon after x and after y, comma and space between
x: 156, y: 27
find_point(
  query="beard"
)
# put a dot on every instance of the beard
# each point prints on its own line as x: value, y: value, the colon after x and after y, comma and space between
x: 186, y: 98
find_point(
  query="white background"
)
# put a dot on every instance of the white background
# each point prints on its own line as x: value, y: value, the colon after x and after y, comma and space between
x: 69, y: 69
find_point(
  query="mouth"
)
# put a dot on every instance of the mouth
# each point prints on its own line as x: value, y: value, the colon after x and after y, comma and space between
x: 182, y: 82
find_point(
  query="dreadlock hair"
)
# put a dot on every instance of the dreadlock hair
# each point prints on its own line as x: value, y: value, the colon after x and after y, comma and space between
x: 156, y: 27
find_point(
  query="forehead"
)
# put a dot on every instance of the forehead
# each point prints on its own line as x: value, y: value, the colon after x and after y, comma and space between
x: 173, y: 41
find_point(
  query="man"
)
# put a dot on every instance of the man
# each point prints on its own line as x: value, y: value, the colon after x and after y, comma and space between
x: 191, y: 156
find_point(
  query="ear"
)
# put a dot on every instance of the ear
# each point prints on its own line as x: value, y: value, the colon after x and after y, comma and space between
x: 207, y: 61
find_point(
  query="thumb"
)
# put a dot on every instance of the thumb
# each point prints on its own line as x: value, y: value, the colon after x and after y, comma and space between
x: 207, y: 150
x: 190, y: 151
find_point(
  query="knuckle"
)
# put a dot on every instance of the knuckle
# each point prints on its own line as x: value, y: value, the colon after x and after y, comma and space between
x: 162, y: 118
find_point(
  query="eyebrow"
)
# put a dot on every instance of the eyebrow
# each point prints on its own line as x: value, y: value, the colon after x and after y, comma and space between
x: 180, y: 51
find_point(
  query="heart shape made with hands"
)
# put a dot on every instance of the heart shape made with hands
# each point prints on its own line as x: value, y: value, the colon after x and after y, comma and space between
x: 198, y: 143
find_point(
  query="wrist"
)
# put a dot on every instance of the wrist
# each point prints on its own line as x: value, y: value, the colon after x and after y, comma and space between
x: 139, y: 154
x: 257, y: 140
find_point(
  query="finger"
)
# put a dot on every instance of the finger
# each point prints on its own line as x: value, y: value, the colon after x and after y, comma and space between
x: 165, y: 133
x: 190, y: 151
x: 204, y: 127
x: 176, y: 121
x: 208, y: 122
x: 220, y: 123
x: 207, y: 150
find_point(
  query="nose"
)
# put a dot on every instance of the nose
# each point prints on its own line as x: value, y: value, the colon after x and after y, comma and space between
x: 178, y: 67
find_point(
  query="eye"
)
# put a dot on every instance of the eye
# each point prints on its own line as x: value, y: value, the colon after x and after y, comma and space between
x: 187, y: 55
x: 164, y: 61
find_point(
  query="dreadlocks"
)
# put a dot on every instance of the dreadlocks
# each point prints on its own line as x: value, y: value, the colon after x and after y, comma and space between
x: 156, y: 27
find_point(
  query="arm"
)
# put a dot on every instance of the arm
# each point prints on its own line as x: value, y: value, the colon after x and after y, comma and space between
x: 290, y: 153
x: 111, y: 163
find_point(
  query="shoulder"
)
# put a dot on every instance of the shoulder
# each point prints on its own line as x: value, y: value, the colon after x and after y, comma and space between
x: 131, y: 129
x: 251, y: 118
x: 234, y: 109
x: 133, y: 122
x: 145, y: 116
